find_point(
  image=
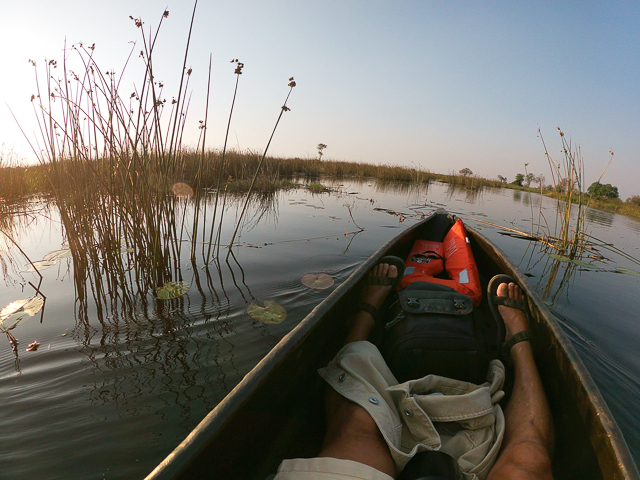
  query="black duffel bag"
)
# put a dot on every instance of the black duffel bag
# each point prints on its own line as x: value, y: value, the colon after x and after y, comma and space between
x: 435, y: 330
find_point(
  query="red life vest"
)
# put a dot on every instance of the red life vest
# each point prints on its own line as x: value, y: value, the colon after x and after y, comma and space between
x: 428, y: 259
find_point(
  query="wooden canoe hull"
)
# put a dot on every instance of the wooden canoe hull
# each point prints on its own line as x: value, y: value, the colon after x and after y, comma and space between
x: 276, y: 411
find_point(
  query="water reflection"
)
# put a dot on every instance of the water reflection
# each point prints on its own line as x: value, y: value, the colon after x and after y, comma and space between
x: 517, y: 195
x: 17, y: 218
x: 471, y: 194
x: 177, y: 351
x: 599, y: 217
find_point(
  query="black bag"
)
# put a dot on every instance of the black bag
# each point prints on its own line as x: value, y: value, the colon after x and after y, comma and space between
x: 435, y: 330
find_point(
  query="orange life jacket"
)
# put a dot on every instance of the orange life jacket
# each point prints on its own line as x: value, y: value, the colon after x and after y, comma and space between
x: 428, y: 259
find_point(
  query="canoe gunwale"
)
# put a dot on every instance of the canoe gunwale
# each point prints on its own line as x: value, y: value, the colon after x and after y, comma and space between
x: 612, y: 439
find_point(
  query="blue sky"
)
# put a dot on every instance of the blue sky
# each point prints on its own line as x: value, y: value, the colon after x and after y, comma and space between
x: 440, y: 85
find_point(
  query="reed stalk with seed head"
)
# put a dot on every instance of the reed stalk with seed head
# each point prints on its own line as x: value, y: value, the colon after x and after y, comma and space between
x: 283, y: 109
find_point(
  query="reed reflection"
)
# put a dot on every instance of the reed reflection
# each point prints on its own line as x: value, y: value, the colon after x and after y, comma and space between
x: 181, y: 351
x: 471, y: 194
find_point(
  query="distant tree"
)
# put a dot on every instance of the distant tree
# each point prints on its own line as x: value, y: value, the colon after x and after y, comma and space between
x: 502, y: 179
x: 564, y: 184
x: 320, y: 147
x: 518, y: 180
x: 597, y: 189
x: 634, y: 200
x: 539, y: 179
x: 465, y: 172
x: 528, y: 179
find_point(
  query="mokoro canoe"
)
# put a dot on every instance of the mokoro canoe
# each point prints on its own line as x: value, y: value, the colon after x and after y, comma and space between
x: 276, y: 411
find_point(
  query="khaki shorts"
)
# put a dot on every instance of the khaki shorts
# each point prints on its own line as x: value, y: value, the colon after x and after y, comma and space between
x: 326, y: 468
x: 460, y: 419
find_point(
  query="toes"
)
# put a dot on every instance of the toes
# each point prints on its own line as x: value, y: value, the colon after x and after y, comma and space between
x: 503, y: 290
x: 383, y: 269
x: 515, y: 292
x: 393, y: 271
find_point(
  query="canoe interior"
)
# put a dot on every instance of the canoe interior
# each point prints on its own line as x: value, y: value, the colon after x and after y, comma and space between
x: 277, y: 410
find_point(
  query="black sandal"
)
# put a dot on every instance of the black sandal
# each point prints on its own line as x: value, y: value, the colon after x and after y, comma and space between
x: 494, y: 300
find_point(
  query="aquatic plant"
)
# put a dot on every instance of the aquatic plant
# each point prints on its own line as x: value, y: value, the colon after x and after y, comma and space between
x: 283, y: 109
x: 317, y: 187
x: 121, y: 176
x: 271, y: 313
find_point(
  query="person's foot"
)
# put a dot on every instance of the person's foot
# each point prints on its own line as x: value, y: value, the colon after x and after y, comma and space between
x: 515, y: 320
x: 375, y: 294
x: 363, y: 321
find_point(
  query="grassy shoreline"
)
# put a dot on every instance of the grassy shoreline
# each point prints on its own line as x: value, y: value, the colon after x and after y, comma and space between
x: 19, y: 181
x: 605, y: 204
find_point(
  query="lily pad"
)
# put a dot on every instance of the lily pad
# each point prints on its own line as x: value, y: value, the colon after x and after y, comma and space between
x: 40, y: 265
x: 562, y: 258
x: 56, y: 254
x: 29, y: 306
x: 628, y: 271
x: 318, y: 281
x: 172, y: 290
x: 271, y: 313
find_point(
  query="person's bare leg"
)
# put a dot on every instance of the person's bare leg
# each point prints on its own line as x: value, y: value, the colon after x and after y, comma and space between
x: 529, y: 437
x: 351, y: 432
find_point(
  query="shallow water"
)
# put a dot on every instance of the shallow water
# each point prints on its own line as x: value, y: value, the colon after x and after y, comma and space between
x: 111, y: 391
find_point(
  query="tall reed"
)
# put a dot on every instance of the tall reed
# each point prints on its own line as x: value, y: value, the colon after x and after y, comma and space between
x: 112, y: 163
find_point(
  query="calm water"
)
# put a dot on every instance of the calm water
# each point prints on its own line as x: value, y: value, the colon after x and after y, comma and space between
x: 110, y: 392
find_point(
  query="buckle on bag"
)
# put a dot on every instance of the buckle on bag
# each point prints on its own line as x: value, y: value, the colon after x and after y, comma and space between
x: 413, y: 302
x: 459, y: 304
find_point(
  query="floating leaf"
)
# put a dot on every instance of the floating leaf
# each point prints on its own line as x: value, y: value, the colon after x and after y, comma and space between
x: 628, y: 271
x: 271, y: 313
x: 33, y: 306
x: 56, y: 254
x: 172, y: 290
x: 318, y: 282
x: 40, y: 265
x: 29, y: 306
x: 562, y: 258
x: 33, y: 347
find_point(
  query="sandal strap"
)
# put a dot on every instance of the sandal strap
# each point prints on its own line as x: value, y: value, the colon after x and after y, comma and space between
x: 367, y: 307
x: 518, y: 337
x: 510, y: 302
x: 381, y: 281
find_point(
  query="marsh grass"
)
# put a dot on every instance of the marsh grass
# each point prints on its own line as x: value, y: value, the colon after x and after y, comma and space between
x: 316, y: 187
x: 18, y: 181
x: 565, y: 240
x: 236, y: 167
x: 120, y: 175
